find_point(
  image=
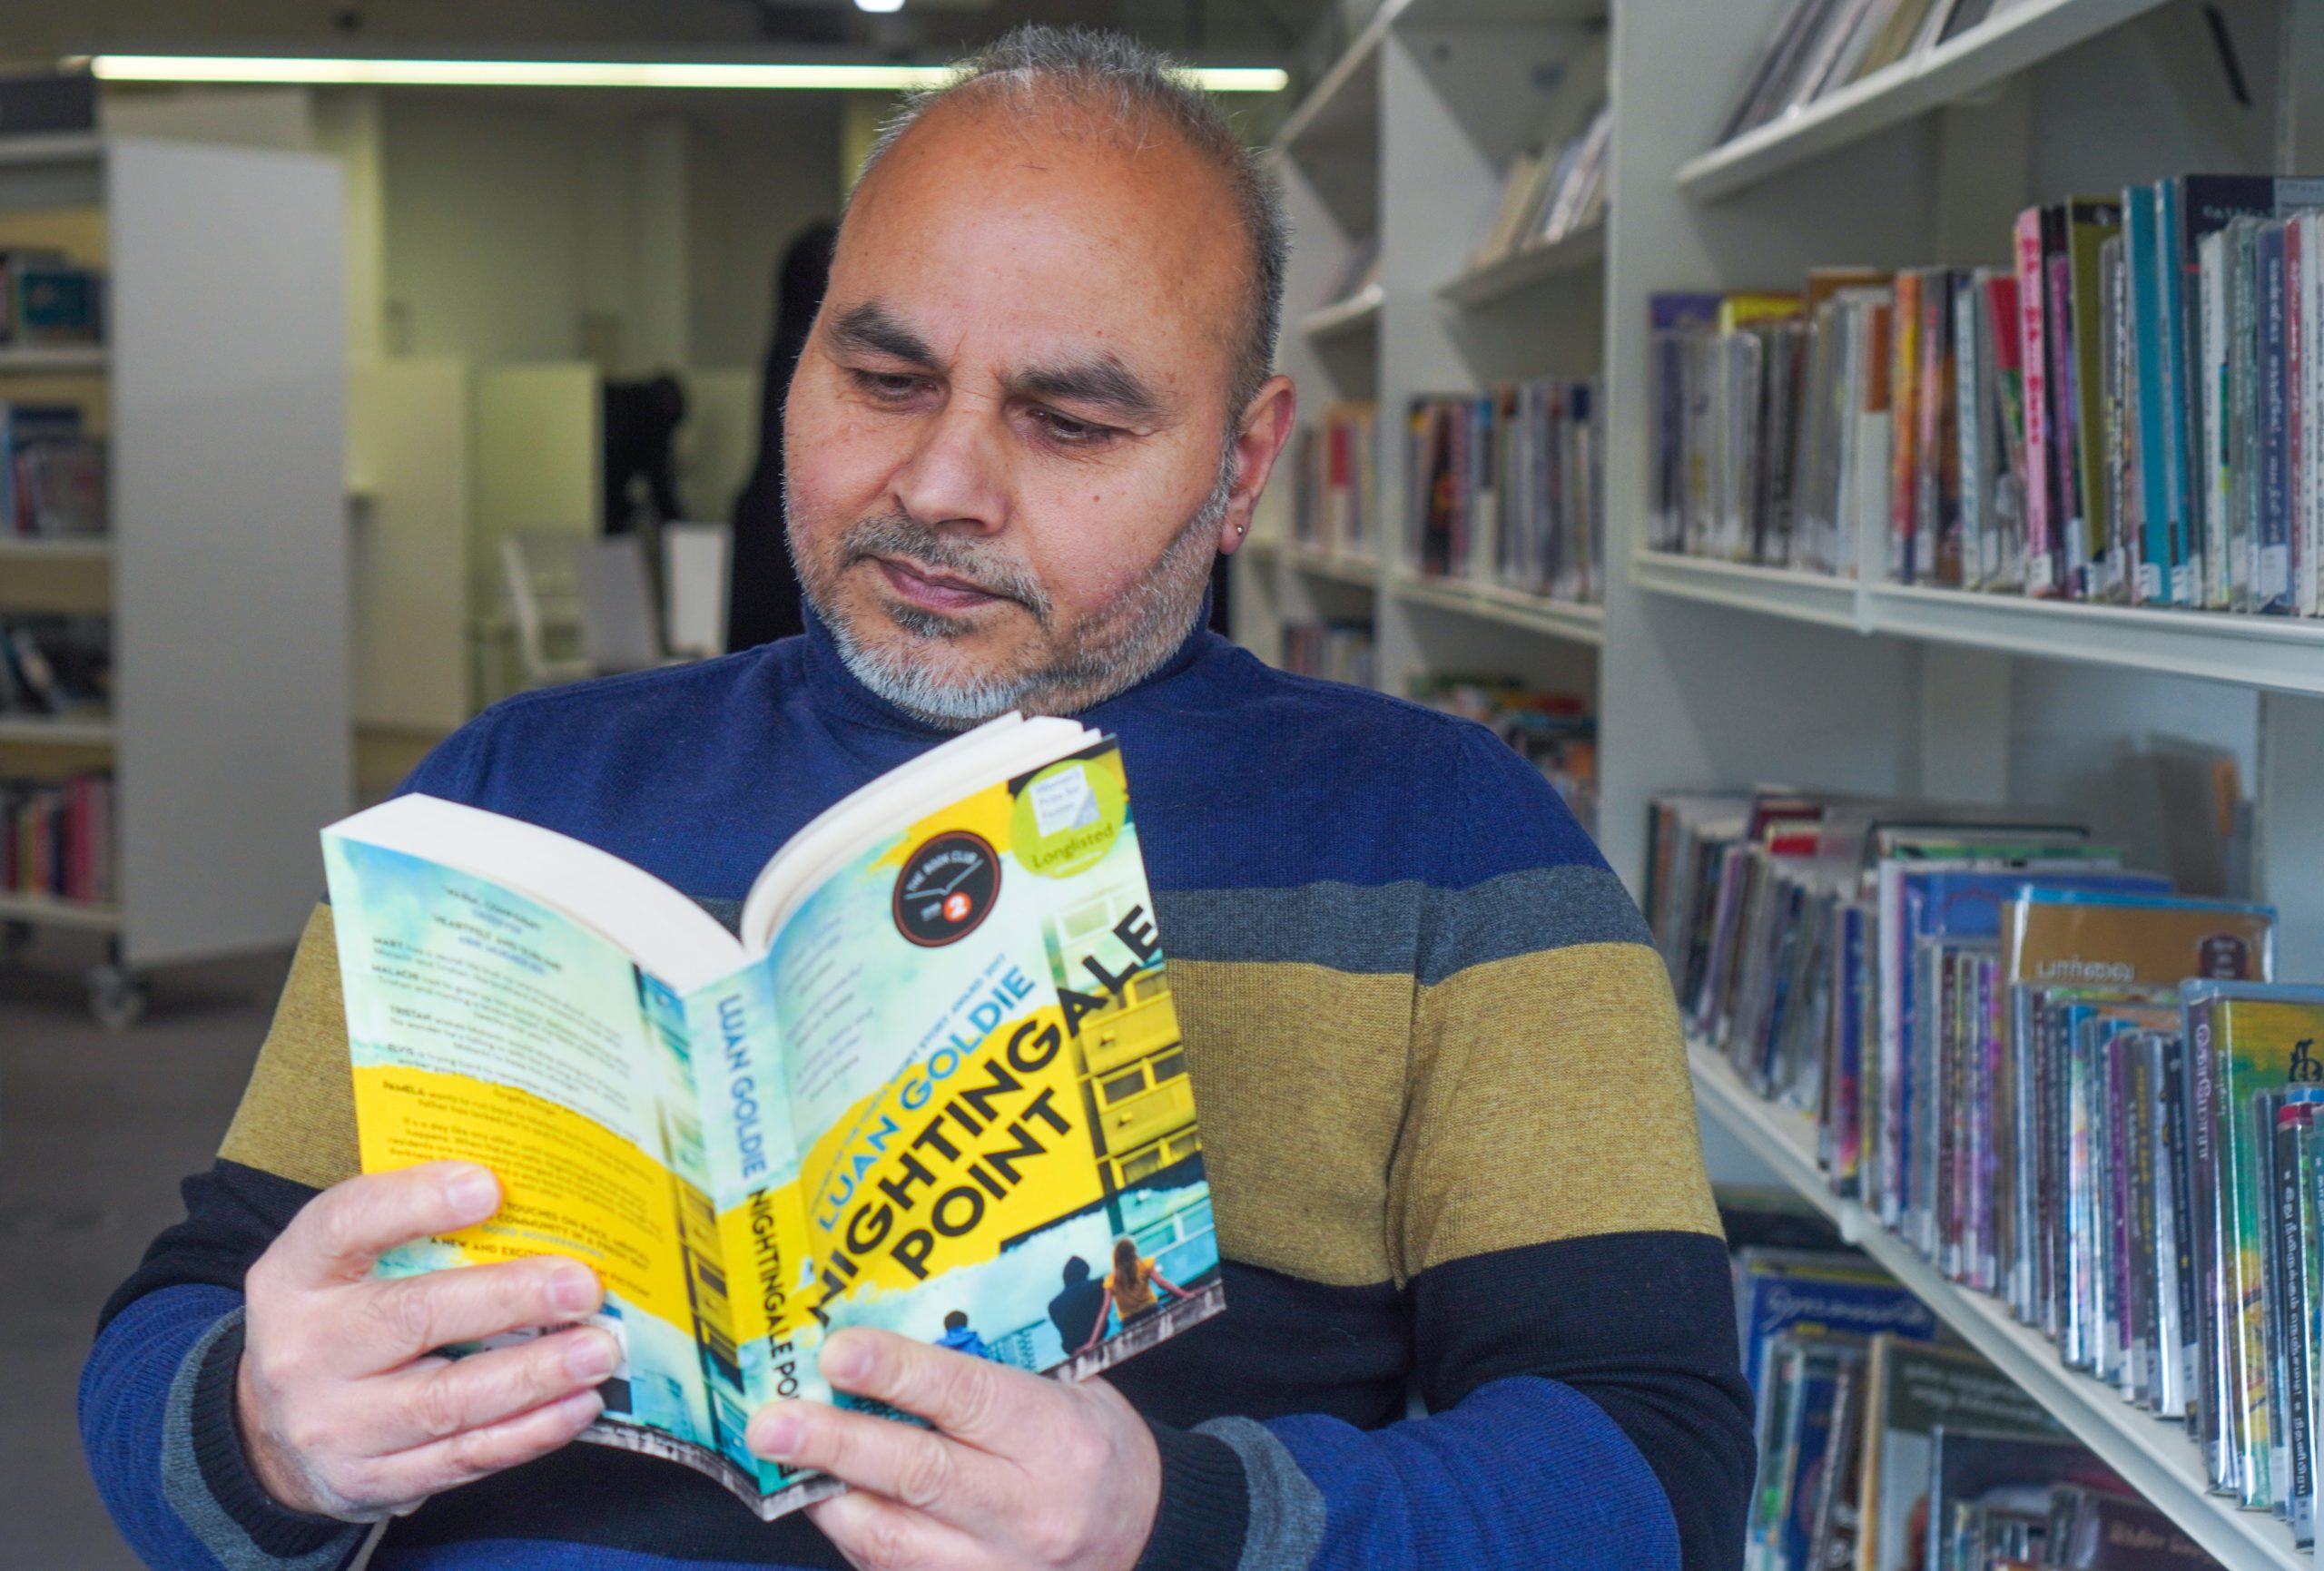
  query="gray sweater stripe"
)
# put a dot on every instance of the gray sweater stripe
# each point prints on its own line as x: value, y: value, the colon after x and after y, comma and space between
x: 188, y: 1493
x: 1286, y: 1523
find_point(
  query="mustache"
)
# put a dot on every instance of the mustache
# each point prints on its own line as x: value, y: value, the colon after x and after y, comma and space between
x: 899, y: 534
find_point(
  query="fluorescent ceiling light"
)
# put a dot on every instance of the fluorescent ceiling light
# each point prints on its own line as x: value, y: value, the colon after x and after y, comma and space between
x: 879, y: 6
x: 350, y: 72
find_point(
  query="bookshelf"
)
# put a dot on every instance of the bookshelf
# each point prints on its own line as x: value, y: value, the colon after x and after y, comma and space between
x: 2155, y: 1456
x: 1403, y: 141
x: 1497, y: 281
x: 1708, y: 673
x: 225, y: 583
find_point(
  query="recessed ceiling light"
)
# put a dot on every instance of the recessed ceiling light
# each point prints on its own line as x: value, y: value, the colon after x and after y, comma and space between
x: 355, y: 72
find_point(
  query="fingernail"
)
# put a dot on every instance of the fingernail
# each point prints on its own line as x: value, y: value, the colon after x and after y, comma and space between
x: 573, y: 1290
x: 582, y: 1407
x: 473, y: 1193
x: 592, y: 1356
x: 847, y: 1360
x: 776, y: 1439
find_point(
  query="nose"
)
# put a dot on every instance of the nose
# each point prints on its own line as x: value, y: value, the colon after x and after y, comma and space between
x: 957, y: 477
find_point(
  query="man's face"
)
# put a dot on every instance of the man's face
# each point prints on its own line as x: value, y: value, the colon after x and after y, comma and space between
x: 1003, y: 444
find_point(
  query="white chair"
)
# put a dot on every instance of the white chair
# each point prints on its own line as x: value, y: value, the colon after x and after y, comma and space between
x: 694, y: 564
x: 580, y: 607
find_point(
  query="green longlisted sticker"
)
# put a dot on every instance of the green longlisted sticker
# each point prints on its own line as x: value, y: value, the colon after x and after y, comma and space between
x: 1067, y: 817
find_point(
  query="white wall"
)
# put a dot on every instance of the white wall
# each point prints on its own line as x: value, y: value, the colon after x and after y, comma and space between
x: 547, y: 227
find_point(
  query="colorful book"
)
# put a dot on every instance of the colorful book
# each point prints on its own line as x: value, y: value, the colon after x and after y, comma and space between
x: 877, y: 1104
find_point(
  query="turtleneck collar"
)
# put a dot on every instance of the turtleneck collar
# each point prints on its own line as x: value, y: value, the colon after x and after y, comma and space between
x: 836, y: 689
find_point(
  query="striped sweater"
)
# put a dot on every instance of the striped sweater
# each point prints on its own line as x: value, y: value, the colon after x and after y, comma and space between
x: 1444, y: 1112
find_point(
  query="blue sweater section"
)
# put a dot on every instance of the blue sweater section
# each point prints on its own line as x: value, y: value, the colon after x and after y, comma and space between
x: 700, y: 773
x: 124, y: 1405
x: 1524, y: 1473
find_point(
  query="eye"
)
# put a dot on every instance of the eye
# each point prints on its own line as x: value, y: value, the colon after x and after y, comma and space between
x: 1068, y: 432
x: 888, y: 386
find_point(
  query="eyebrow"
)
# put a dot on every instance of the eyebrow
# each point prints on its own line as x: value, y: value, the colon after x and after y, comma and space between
x: 1101, y: 383
x: 873, y: 328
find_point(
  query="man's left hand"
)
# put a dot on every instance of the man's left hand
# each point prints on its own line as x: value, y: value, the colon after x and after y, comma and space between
x: 1020, y: 1472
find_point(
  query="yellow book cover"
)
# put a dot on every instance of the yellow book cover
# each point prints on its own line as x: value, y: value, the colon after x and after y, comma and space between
x: 936, y: 1071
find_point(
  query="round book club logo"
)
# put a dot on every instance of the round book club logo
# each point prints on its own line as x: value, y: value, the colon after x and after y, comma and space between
x: 947, y: 888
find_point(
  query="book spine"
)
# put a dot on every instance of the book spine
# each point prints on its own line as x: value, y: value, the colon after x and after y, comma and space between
x: 2089, y: 227
x: 2152, y: 411
x: 2300, y: 595
x: 2119, y: 578
x: 1904, y: 428
x: 2272, y: 538
x: 1933, y: 404
x: 2311, y: 493
x: 2215, y: 1390
x: 2292, y: 1133
x: 2032, y: 357
x: 1972, y: 372
x: 2212, y: 473
x: 2183, y: 1347
x: 2072, y: 522
x: 2246, y: 416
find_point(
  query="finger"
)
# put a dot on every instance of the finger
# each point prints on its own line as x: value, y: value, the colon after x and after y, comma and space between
x: 983, y: 1404
x: 912, y: 1466
x: 339, y: 1235
x: 437, y: 1400
x: 447, y: 1464
x: 416, y: 1314
x: 876, y: 1535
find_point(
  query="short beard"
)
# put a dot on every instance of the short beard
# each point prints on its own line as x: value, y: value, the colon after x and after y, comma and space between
x: 1109, y: 652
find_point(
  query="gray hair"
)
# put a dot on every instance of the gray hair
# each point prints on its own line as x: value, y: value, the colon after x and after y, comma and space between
x: 1135, y: 84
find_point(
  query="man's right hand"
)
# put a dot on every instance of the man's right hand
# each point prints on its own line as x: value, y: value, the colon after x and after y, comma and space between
x: 346, y: 1410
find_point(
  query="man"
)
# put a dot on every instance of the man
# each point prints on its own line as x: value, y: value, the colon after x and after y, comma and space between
x: 1444, y: 1101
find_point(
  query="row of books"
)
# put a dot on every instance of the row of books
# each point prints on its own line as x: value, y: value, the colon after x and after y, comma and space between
x: 1335, y: 471
x: 47, y: 299
x: 56, y: 838
x: 1334, y: 651
x: 55, y: 665
x: 1883, y: 1446
x: 1819, y: 46
x: 52, y: 472
x: 1550, y: 194
x: 1509, y: 488
x: 1555, y: 731
x: 2059, y: 1082
x: 2133, y: 413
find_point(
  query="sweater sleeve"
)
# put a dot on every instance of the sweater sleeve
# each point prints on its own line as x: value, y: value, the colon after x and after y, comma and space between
x: 1554, y: 1243
x: 157, y: 1395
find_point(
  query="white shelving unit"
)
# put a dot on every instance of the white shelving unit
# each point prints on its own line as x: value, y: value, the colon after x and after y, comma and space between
x: 221, y: 393
x: 1357, y: 313
x: 1403, y: 141
x: 1715, y: 675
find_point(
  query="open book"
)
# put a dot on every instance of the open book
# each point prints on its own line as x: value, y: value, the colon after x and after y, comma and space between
x: 935, y: 1086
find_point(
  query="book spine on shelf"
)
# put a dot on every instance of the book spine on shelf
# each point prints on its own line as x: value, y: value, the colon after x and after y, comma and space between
x: 2271, y: 536
x: 1904, y: 428
x: 2034, y: 359
x: 2159, y: 482
x: 2213, y: 449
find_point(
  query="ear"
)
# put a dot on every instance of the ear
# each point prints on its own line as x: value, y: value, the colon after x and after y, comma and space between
x: 1265, y: 427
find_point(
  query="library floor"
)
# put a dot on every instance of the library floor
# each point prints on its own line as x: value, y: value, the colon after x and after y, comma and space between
x: 96, y: 1131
